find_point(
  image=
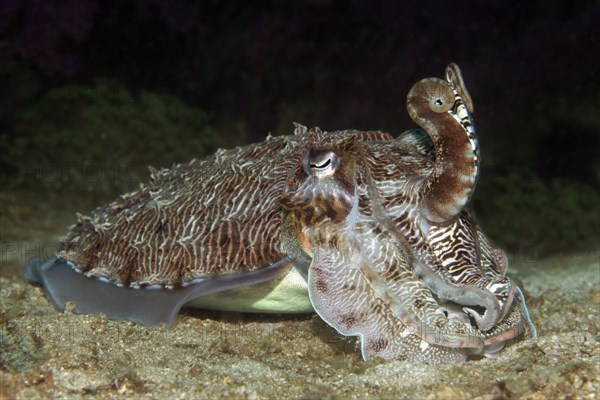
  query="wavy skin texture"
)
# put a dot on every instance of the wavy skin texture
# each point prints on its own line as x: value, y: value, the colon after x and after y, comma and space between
x: 209, y: 217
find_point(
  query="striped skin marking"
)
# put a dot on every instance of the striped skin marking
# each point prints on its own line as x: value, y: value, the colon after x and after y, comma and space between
x: 457, y: 247
x: 454, y: 76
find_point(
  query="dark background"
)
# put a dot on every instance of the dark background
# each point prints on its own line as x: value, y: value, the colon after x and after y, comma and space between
x: 92, y: 91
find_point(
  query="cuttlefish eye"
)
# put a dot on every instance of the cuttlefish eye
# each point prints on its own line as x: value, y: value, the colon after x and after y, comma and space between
x: 321, y: 163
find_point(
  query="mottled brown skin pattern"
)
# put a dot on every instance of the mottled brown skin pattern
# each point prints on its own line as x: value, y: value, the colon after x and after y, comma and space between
x: 209, y: 217
x: 193, y: 220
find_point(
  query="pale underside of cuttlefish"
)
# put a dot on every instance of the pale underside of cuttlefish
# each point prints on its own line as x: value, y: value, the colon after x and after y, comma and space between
x: 369, y: 231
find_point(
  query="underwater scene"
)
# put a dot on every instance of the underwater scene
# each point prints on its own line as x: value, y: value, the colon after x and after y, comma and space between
x: 307, y: 199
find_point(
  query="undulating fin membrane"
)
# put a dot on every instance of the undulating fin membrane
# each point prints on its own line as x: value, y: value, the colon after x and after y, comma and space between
x: 147, y: 306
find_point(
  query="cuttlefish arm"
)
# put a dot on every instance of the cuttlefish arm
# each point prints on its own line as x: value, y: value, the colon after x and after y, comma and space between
x: 494, y: 263
x: 443, y: 108
x: 362, y: 292
x: 342, y: 298
x: 460, y: 252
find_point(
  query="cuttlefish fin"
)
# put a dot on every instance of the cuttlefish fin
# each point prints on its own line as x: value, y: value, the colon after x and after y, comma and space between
x: 151, y: 305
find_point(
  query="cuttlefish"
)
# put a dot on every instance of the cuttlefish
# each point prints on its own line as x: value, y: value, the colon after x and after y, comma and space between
x: 369, y: 231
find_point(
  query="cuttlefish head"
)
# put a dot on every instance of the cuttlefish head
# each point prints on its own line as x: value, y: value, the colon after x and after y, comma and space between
x: 324, y: 186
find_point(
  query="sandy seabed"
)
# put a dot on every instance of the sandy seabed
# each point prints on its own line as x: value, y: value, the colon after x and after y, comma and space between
x: 46, y: 354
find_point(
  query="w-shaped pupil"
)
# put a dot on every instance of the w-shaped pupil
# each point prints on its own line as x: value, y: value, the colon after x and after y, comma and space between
x: 324, y: 165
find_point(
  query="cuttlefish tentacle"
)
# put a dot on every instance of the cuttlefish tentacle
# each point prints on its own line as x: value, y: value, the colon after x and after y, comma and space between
x: 438, y: 107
